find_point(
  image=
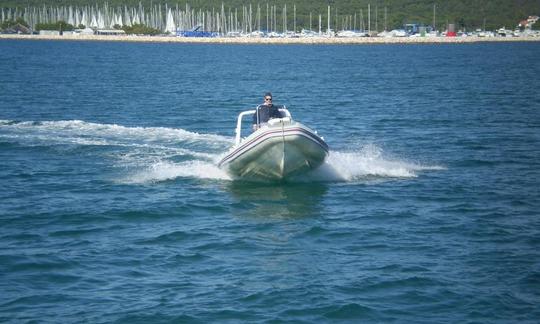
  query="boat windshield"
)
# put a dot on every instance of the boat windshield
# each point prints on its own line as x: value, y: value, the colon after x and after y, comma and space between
x: 284, y: 113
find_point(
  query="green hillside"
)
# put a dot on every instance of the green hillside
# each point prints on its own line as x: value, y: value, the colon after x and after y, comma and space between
x: 469, y: 14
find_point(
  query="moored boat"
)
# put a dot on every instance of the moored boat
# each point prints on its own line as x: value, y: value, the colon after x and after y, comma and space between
x: 278, y: 150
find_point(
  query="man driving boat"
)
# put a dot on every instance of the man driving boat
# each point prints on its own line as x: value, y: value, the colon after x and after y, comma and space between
x: 265, y: 112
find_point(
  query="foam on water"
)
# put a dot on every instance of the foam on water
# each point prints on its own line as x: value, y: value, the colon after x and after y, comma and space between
x: 79, y: 128
x: 152, y: 154
x: 367, y: 162
x: 166, y: 170
x: 76, y: 132
x: 145, y: 154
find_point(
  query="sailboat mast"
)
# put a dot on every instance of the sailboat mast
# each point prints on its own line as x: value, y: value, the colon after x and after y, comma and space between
x: 328, y: 25
x: 295, y: 18
x: 369, y: 18
x: 385, y: 19
x: 434, y: 5
x: 376, y: 18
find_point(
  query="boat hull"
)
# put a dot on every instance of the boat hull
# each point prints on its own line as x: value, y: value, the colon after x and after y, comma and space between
x: 276, y: 153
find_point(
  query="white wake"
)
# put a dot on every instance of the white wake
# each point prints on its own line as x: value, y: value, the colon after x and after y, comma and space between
x: 154, y: 154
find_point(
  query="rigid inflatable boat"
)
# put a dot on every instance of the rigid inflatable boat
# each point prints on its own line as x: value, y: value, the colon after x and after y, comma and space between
x: 278, y: 150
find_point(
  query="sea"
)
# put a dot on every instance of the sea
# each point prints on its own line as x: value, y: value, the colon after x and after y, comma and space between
x: 113, y: 209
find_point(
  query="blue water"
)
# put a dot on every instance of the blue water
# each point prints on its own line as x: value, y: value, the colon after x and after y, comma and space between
x: 112, y: 208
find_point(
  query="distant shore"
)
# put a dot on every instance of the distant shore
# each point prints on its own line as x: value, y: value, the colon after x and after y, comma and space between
x: 256, y: 40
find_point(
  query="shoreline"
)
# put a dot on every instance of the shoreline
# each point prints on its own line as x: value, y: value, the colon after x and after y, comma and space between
x: 274, y: 41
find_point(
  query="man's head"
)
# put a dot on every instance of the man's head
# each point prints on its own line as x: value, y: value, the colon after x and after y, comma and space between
x: 268, y: 98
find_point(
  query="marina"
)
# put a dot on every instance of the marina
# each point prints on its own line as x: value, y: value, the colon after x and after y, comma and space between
x: 267, y: 24
x: 260, y: 40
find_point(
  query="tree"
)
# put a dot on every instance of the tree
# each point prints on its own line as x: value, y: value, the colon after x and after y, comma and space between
x: 59, y: 25
x: 140, y: 29
x: 11, y: 23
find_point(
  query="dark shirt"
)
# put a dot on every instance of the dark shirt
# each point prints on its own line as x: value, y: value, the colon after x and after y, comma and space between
x: 266, y: 112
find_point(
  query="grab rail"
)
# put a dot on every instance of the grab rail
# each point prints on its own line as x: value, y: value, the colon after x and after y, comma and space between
x: 238, y: 130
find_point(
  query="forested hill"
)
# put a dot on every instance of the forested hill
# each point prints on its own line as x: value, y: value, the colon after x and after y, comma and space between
x: 469, y: 14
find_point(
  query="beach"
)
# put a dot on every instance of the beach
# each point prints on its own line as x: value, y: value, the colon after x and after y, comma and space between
x: 260, y: 40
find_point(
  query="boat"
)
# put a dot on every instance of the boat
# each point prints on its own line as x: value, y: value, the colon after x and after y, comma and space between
x: 278, y: 150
